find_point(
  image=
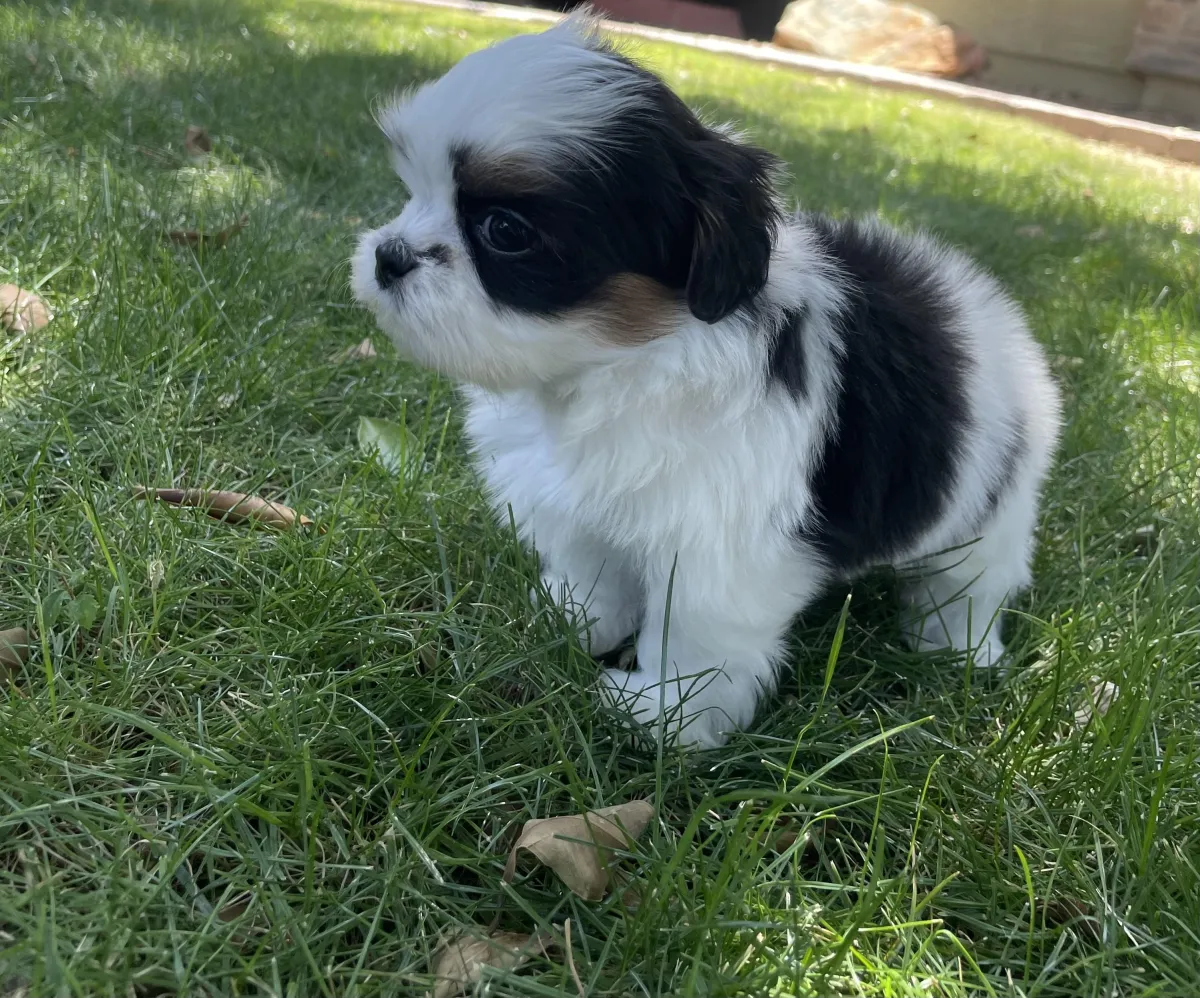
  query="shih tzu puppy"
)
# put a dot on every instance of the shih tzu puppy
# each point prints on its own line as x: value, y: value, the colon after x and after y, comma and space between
x: 680, y: 390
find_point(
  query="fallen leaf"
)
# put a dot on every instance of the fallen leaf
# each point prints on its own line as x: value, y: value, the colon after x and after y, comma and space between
x: 22, y: 311
x: 1101, y: 695
x: 395, y: 444
x: 196, y: 142
x: 235, y: 909
x: 577, y: 847
x: 360, y: 351
x: 83, y: 610
x: 461, y: 960
x: 195, y: 237
x: 1031, y: 231
x: 156, y: 571
x: 631, y: 890
x: 1071, y: 911
x: 14, y: 648
x: 233, y: 507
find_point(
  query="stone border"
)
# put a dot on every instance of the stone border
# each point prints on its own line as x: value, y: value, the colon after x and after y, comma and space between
x: 1181, y: 144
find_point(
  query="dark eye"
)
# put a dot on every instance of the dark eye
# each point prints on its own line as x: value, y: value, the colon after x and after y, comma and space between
x: 507, y: 233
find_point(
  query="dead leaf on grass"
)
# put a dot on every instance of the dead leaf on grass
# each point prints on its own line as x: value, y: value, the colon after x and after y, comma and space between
x: 156, y: 571
x: 22, y: 311
x: 196, y: 142
x: 235, y: 909
x: 1071, y: 911
x: 462, y: 958
x: 14, y: 648
x: 360, y: 351
x: 233, y: 507
x: 1031, y: 231
x: 397, y: 445
x: 1101, y: 695
x: 197, y: 237
x: 578, y: 847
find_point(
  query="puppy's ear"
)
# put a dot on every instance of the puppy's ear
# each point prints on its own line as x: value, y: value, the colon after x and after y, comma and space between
x: 732, y: 188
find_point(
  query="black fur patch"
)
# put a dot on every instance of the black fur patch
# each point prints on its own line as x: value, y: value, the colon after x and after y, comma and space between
x: 889, y: 463
x: 786, y: 361
x: 668, y: 198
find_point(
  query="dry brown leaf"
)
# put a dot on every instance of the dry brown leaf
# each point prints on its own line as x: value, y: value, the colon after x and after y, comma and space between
x: 22, y: 311
x: 14, y: 648
x: 1071, y: 911
x: 577, y: 847
x: 196, y: 142
x: 195, y: 237
x: 360, y: 351
x: 235, y: 909
x: 1031, y: 231
x: 461, y: 959
x: 233, y: 507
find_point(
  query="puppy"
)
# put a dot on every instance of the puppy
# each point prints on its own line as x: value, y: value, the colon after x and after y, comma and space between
x: 680, y: 391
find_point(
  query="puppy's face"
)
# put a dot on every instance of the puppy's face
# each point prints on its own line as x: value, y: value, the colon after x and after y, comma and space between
x: 564, y: 203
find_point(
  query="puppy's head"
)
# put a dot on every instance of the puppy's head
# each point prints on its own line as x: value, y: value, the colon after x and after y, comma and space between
x: 563, y: 202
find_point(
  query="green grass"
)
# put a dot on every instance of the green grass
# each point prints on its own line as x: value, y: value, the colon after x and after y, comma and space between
x: 246, y: 762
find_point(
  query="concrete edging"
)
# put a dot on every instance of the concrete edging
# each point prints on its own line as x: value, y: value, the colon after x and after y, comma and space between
x: 1180, y: 144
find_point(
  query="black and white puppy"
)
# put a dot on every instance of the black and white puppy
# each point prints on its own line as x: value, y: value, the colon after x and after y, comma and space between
x: 674, y: 385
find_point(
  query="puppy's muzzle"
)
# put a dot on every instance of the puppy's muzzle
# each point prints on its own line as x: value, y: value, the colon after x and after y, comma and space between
x: 393, y: 260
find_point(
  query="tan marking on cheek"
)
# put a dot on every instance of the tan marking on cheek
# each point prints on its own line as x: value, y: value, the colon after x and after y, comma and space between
x: 630, y: 309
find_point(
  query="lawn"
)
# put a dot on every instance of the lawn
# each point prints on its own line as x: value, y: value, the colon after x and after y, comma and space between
x: 246, y: 761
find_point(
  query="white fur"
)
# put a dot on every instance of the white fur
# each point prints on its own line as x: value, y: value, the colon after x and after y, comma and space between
x: 677, y: 464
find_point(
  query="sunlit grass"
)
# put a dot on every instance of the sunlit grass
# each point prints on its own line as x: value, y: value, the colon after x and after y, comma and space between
x: 243, y: 762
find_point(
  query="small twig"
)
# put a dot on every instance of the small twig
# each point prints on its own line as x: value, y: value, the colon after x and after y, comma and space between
x: 571, y: 959
x: 193, y: 237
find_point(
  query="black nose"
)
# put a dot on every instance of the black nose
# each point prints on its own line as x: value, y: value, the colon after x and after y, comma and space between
x: 393, y: 260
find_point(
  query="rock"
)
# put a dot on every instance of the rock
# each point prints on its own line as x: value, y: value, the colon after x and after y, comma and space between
x: 879, y: 33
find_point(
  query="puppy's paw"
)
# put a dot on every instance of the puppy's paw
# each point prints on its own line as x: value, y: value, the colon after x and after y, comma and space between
x: 949, y: 630
x: 641, y: 696
x: 605, y: 618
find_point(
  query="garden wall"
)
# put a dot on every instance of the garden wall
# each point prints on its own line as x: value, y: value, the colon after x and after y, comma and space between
x: 1128, y: 56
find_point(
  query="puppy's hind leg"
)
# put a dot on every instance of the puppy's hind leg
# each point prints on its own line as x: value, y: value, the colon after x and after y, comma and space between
x: 957, y: 597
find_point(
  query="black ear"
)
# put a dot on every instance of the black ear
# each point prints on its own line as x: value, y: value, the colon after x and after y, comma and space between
x: 732, y: 188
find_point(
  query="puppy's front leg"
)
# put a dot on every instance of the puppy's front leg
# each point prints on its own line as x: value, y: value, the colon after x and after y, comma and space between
x: 724, y: 635
x: 591, y: 581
